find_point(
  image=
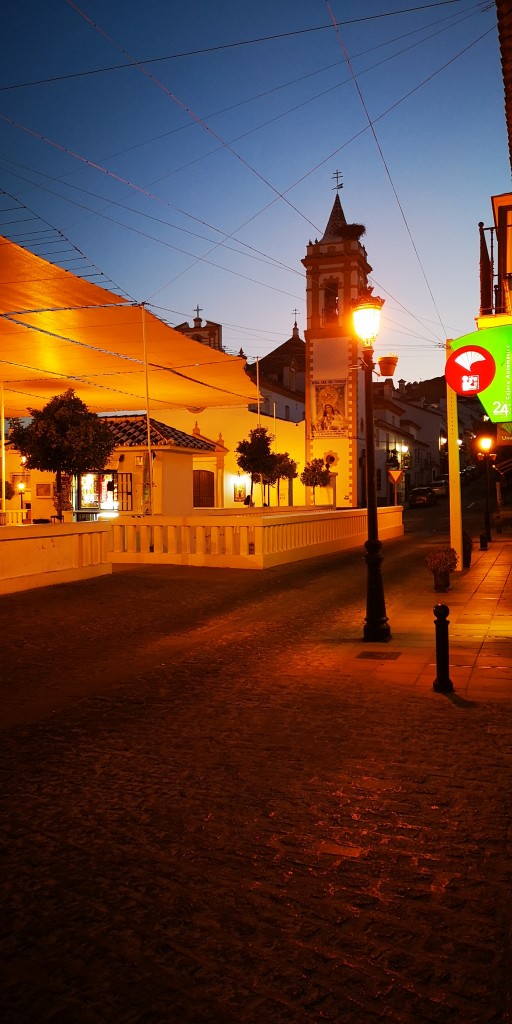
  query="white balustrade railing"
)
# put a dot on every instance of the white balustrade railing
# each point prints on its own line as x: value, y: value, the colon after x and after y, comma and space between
x: 38, y: 555
x: 254, y: 539
x: 12, y: 517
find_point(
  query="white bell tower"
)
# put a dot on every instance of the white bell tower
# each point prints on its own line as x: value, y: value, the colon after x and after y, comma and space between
x: 336, y: 273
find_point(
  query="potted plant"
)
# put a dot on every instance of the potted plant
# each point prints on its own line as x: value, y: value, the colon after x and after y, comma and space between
x: 441, y: 561
x: 387, y: 364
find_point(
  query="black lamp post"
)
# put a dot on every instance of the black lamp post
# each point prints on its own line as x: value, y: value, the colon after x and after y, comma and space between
x: 485, y: 444
x: 376, y: 628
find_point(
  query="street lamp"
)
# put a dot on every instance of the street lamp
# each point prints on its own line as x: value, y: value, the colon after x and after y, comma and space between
x: 485, y: 444
x: 366, y: 316
x: 21, y: 489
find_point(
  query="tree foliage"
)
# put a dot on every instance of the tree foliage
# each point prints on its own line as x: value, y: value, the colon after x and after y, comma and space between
x: 254, y: 455
x: 263, y: 465
x: 9, y: 490
x: 63, y: 438
x: 284, y: 468
x: 315, y: 474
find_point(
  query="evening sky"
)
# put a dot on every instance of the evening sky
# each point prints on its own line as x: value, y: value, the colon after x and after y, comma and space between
x: 188, y: 152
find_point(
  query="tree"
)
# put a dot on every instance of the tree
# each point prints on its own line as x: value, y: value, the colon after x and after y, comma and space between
x: 9, y: 490
x: 315, y: 474
x: 284, y: 468
x: 63, y: 438
x: 254, y: 455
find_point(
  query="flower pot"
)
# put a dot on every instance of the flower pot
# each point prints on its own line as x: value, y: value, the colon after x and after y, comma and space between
x: 387, y: 365
x: 442, y: 580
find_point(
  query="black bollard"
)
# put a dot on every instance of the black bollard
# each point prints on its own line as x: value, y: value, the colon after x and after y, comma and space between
x: 442, y: 682
x: 483, y: 542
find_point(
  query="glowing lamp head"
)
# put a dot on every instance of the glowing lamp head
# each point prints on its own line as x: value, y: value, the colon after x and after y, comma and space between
x: 21, y: 487
x: 485, y: 444
x: 366, y: 316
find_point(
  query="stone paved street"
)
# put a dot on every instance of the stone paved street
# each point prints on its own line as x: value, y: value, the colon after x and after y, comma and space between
x: 219, y: 807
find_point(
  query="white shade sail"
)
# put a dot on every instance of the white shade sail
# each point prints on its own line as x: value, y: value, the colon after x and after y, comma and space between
x: 58, y: 331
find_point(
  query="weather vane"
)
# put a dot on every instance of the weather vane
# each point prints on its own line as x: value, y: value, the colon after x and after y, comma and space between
x: 339, y: 184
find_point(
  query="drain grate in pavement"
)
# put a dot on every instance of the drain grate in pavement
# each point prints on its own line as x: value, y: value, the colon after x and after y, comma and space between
x: 380, y: 655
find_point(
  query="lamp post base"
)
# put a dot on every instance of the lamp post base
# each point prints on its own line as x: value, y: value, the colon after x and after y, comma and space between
x: 377, y: 632
x: 488, y: 526
x: 376, y: 628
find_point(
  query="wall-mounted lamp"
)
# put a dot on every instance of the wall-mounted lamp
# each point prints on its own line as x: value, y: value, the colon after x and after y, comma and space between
x: 239, y: 489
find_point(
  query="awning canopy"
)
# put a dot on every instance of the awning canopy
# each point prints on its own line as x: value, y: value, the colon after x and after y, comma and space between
x: 58, y: 331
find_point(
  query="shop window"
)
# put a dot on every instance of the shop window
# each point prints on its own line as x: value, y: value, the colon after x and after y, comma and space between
x: 96, y: 492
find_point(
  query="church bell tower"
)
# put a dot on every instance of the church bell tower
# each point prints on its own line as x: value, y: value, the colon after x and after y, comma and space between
x: 336, y: 273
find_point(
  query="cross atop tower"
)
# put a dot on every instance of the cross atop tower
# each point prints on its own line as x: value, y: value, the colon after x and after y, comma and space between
x: 197, y: 312
x: 339, y: 184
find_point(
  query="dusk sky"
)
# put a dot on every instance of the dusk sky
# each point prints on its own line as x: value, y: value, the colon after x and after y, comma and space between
x: 188, y: 151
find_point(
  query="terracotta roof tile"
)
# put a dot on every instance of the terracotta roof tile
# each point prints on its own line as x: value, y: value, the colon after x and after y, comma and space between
x: 131, y: 431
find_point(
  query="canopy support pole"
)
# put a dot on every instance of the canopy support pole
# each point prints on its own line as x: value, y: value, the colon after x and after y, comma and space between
x: 258, y: 389
x: 149, y: 510
x: 454, y: 495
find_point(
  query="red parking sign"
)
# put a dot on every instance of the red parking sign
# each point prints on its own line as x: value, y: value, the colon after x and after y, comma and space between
x: 470, y: 370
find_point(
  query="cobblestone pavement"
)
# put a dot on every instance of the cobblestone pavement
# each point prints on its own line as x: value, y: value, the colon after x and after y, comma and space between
x: 214, y: 811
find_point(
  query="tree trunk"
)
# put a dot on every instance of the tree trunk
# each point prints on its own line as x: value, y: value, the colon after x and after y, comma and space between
x: 58, y: 504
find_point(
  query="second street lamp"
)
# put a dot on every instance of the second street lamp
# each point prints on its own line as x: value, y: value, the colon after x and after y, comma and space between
x: 366, y: 315
x: 485, y: 444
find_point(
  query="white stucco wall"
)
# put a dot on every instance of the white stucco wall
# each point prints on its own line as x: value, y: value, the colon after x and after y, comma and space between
x: 234, y: 425
x: 173, y: 481
x: 173, y: 490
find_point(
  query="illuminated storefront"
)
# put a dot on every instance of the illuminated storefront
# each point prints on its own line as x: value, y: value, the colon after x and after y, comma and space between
x: 102, y: 494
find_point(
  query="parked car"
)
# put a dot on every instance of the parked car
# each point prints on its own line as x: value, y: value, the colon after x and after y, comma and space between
x: 440, y: 486
x: 422, y: 496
